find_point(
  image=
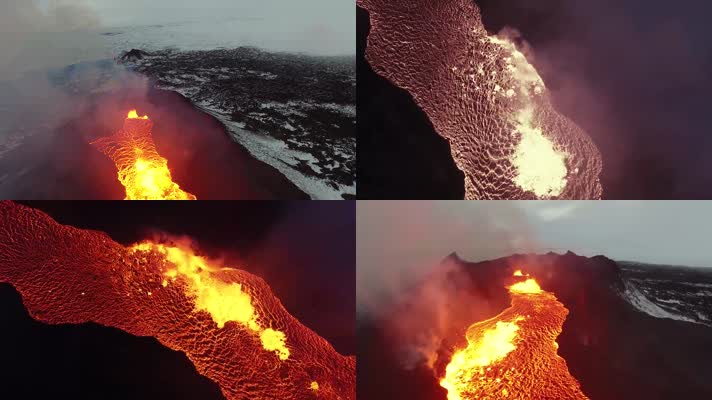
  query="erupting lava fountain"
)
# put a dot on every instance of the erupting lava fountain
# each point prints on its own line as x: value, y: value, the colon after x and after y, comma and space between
x: 227, y: 321
x: 483, y: 96
x: 142, y: 171
x: 514, y: 355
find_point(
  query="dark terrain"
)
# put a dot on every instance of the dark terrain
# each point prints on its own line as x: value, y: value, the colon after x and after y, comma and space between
x: 279, y: 241
x: 90, y: 361
x: 681, y: 292
x: 400, y: 156
x: 302, y: 103
x: 54, y: 160
x: 611, y: 347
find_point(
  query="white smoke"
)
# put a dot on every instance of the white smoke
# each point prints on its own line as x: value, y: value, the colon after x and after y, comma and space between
x: 401, y: 276
x: 34, y: 37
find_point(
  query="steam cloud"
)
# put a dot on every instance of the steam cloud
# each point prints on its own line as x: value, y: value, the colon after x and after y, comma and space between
x: 33, y: 38
x: 635, y: 80
x: 445, y: 300
x: 400, y: 246
x: 36, y: 39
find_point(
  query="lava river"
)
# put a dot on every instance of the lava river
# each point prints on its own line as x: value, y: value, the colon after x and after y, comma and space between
x: 514, y: 355
x: 142, y: 171
x: 227, y: 321
x: 483, y: 95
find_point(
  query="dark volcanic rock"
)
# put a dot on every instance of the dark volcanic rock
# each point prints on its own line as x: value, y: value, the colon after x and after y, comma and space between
x: 89, y: 361
x: 134, y: 55
x: 292, y: 111
x: 61, y: 165
x: 615, y: 350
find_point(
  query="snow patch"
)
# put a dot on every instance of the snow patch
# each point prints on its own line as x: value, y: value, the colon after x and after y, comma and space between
x: 292, y: 107
x: 277, y: 154
x: 671, y: 301
x: 641, y: 302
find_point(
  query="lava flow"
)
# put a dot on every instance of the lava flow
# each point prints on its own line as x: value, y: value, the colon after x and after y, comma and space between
x: 483, y: 96
x: 227, y: 321
x: 142, y: 171
x: 224, y: 301
x: 514, y: 355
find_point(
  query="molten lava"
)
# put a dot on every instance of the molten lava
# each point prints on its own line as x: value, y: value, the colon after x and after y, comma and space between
x: 224, y: 301
x: 142, y: 171
x: 134, y: 115
x: 483, y: 96
x: 227, y: 321
x: 514, y: 355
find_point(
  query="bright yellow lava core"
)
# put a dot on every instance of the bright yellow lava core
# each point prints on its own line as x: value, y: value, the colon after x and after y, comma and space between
x: 141, y: 170
x: 528, y: 286
x: 275, y: 341
x: 540, y: 167
x: 514, y: 354
x: 134, y: 115
x: 151, y: 180
x: 224, y: 301
x: 493, y: 345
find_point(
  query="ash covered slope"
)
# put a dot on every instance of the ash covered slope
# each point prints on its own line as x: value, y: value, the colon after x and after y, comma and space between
x: 612, y: 348
x: 296, y: 113
x: 483, y: 96
x: 68, y: 275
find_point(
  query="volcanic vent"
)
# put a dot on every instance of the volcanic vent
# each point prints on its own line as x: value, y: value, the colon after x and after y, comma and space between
x: 514, y: 354
x: 227, y: 321
x: 484, y: 96
x: 142, y: 171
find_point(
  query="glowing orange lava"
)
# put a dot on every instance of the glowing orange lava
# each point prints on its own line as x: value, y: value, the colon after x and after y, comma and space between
x: 141, y: 170
x: 528, y: 286
x: 227, y: 321
x: 134, y: 115
x: 224, y: 301
x: 514, y: 355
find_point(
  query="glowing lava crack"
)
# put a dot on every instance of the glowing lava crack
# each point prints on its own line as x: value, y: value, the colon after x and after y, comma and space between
x: 142, y: 171
x: 514, y: 355
x: 227, y: 321
x: 483, y: 96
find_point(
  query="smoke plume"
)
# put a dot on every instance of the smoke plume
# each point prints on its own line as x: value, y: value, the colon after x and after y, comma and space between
x: 400, y: 251
x: 636, y: 80
x: 35, y: 38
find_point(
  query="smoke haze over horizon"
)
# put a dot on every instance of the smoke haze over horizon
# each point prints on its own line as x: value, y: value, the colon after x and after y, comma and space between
x: 40, y: 34
x: 399, y: 243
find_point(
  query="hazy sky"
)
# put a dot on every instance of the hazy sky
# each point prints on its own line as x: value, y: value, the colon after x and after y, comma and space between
x: 338, y: 13
x: 326, y: 27
x: 40, y: 34
x: 674, y: 232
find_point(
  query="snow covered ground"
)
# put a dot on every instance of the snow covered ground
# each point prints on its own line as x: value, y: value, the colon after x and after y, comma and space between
x: 295, y: 112
x: 277, y: 153
x: 640, y: 301
x: 679, y: 293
